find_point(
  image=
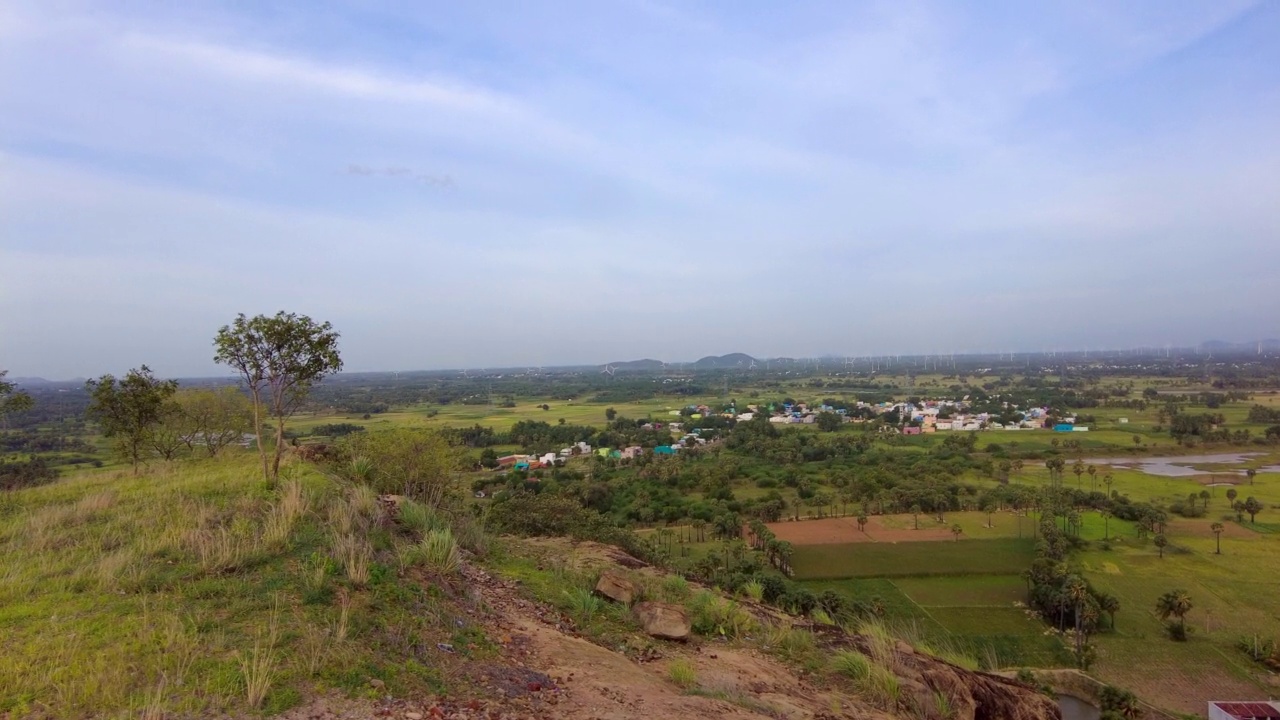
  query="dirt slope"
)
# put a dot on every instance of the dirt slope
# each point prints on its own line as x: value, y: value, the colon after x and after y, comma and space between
x: 546, y: 671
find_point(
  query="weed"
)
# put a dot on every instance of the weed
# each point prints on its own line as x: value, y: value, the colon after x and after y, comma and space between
x: 942, y: 705
x: 354, y: 553
x: 440, y: 552
x: 852, y: 664
x: 675, y: 588
x: 282, y: 515
x: 753, y: 590
x: 583, y: 604
x: 257, y: 667
x: 418, y: 518
x: 315, y: 645
x: 682, y: 673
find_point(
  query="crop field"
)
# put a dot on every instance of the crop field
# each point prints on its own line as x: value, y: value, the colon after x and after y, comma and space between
x: 989, y: 557
x: 974, y: 591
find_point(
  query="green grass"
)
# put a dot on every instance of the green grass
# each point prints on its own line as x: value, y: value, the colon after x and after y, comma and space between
x: 990, y: 557
x: 965, y: 590
x: 193, y: 589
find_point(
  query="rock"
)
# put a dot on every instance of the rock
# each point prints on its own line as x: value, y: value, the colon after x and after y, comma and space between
x: 413, y: 716
x: 376, y: 684
x: 663, y: 620
x: 616, y: 587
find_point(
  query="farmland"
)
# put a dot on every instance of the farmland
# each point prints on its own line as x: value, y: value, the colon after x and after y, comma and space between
x: 933, y: 530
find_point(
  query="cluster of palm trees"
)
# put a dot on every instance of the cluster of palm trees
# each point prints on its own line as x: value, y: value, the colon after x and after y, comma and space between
x: 776, y: 552
x: 1064, y: 596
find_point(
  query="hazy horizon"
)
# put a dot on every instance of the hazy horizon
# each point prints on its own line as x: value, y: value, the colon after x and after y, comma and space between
x: 508, y: 185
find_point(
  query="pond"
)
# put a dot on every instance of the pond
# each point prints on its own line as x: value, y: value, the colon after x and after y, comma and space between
x: 1181, y: 465
x: 1073, y: 708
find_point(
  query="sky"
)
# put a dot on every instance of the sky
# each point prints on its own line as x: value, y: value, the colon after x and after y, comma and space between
x: 506, y: 184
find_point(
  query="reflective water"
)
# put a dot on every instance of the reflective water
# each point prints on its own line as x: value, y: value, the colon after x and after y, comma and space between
x: 1073, y: 708
x: 1181, y: 465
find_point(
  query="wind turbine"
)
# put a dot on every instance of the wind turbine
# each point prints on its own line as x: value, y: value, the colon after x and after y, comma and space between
x: 608, y: 370
x: 752, y: 366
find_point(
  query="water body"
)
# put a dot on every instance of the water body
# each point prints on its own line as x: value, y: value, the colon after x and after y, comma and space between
x: 1073, y: 708
x: 1181, y: 465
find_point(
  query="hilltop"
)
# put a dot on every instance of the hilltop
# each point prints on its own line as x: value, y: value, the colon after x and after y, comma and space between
x: 193, y: 589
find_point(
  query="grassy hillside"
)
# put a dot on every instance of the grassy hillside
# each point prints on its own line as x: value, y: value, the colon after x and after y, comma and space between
x: 196, y: 589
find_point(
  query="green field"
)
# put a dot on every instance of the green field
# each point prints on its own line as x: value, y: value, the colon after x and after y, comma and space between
x: 964, y: 557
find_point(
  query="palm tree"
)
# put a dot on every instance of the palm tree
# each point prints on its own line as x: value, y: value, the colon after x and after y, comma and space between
x: 1107, y: 480
x: 1232, y: 495
x: 915, y: 515
x: 1253, y: 507
x: 957, y: 531
x: 1161, y: 541
x: 700, y: 528
x: 1204, y: 497
x: 1106, y: 523
x: 1217, y: 529
x: 1078, y: 468
x: 1093, y: 477
x: 1251, y: 473
x: 1175, y: 603
x: 862, y: 523
x: 1110, y: 605
x: 1017, y: 466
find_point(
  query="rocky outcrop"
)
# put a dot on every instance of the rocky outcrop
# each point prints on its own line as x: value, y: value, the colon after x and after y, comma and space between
x: 616, y: 587
x: 663, y: 620
x: 970, y: 695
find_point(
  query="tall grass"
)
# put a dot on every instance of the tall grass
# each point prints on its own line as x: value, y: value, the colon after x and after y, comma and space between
x: 283, y: 515
x: 682, y: 673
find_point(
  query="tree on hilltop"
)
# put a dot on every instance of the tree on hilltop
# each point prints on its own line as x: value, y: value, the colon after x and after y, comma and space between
x: 129, y: 409
x: 279, y: 358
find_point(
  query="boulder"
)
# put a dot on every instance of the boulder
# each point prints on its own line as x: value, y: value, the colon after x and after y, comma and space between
x: 616, y: 587
x: 663, y: 620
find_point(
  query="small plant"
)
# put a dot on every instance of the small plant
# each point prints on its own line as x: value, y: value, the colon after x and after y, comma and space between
x: 753, y: 590
x: 583, y: 604
x: 282, y: 515
x: 315, y: 645
x: 257, y: 667
x: 440, y: 552
x: 354, y: 554
x: 343, y: 625
x: 418, y: 518
x: 361, y: 469
x: 883, y: 687
x: 852, y: 664
x: 682, y: 673
x: 942, y: 705
x: 675, y: 588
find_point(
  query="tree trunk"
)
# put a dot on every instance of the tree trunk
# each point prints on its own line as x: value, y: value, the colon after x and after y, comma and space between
x: 257, y: 429
x: 275, y: 464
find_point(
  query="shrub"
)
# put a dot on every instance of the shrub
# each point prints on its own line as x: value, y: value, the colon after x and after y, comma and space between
x: 753, y: 590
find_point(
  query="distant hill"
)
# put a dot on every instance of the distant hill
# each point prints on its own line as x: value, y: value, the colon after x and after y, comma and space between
x: 724, y: 362
x: 648, y: 364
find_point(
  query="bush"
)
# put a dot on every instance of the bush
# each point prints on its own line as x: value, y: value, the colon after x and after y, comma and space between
x: 554, y: 515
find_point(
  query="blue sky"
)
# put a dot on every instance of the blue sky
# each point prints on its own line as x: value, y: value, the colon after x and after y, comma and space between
x: 488, y: 184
